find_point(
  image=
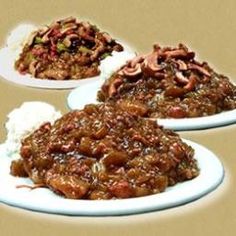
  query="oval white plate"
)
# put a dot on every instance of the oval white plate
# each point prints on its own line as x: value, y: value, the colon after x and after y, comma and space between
x: 87, y: 94
x: 108, y: 66
x: 43, y: 200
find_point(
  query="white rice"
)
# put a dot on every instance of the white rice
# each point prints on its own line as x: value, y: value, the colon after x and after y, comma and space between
x: 112, y: 63
x: 24, y: 120
x: 19, y: 37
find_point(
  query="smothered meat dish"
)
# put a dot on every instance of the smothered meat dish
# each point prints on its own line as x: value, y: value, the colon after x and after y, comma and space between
x: 103, y: 152
x: 169, y: 83
x: 67, y: 49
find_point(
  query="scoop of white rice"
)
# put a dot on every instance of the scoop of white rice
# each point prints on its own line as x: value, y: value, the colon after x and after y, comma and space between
x: 112, y: 63
x: 24, y: 120
x: 18, y: 37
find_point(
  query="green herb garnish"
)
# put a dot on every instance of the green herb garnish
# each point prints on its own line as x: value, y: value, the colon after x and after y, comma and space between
x: 84, y: 49
x: 104, y: 55
x: 61, y: 47
x: 38, y: 40
x: 29, y: 58
x: 95, y: 28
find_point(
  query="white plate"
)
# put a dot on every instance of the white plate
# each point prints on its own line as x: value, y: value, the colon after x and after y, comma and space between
x: 108, y: 65
x: 87, y: 94
x: 43, y: 200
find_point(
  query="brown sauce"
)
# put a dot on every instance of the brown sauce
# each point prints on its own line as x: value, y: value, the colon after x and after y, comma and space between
x: 102, y: 152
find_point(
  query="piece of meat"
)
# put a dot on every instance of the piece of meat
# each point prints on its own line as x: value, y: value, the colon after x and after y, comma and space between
x: 17, y: 168
x: 133, y: 107
x: 122, y: 189
x: 69, y: 186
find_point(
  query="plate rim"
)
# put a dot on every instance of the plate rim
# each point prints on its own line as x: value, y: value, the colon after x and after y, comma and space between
x: 126, y: 206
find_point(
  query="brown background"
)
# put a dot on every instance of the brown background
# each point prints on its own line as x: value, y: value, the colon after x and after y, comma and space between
x: 209, y: 27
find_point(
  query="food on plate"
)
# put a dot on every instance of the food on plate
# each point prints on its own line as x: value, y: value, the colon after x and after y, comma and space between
x: 66, y: 49
x: 24, y: 120
x: 103, y: 152
x: 169, y: 83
